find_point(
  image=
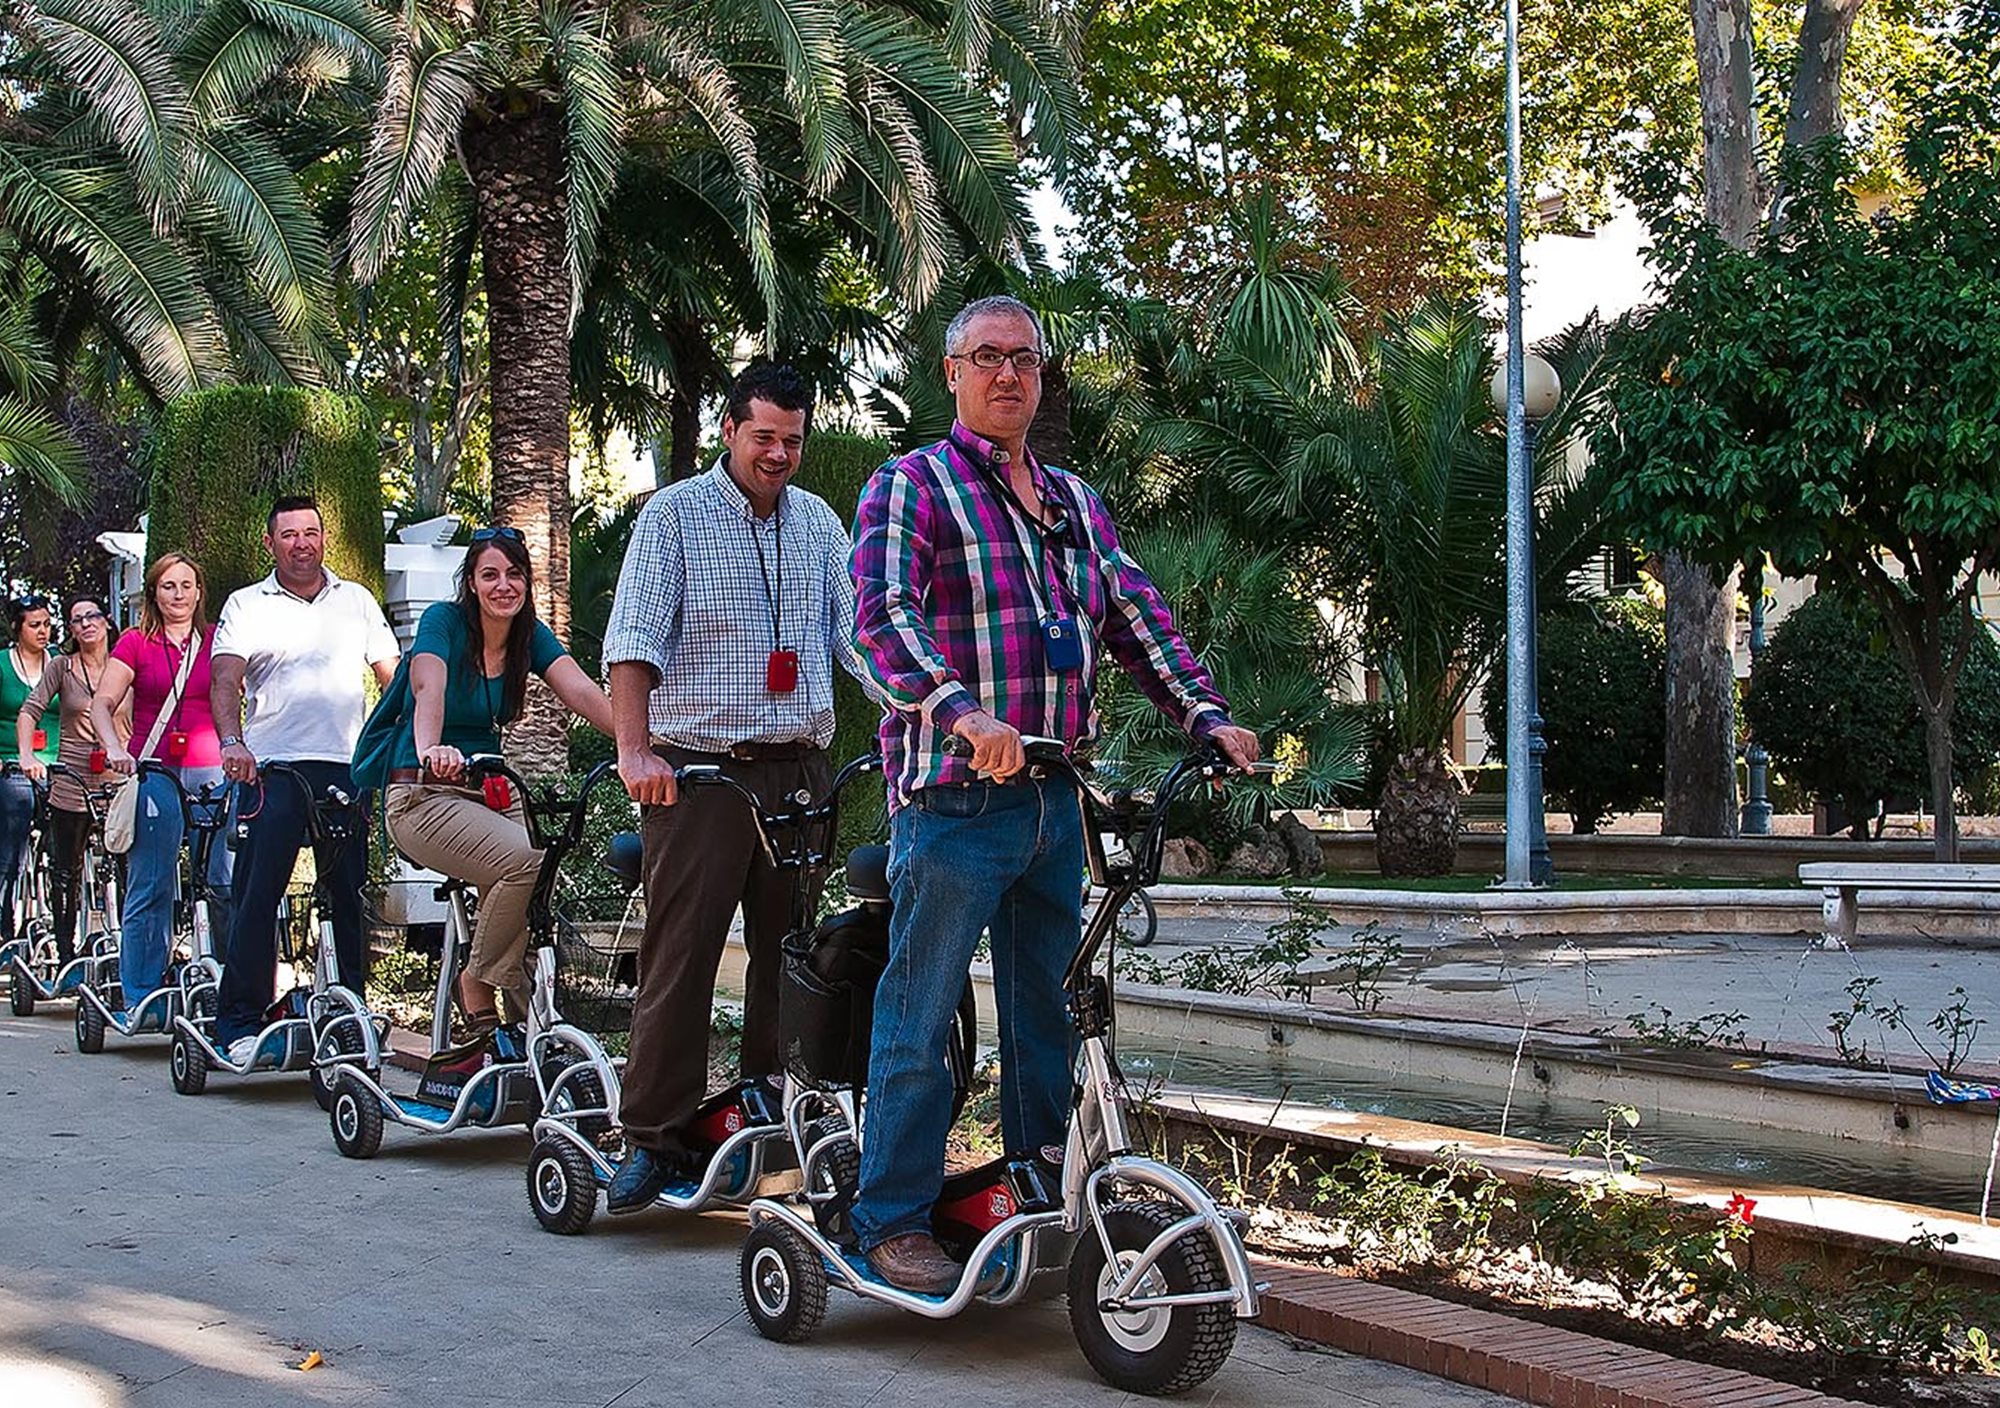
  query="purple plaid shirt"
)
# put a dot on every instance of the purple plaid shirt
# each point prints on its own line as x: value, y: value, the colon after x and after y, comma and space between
x: 952, y: 586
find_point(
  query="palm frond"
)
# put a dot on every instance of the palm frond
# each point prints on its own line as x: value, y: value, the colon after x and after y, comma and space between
x: 238, y: 180
x: 147, y: 286
x: 593, y: 94
x: 112, y: 53
x: 806, y: 37
x: 426, y: 90
x: 25, y: 367
x: 33, y: 444
x: 229, y: 55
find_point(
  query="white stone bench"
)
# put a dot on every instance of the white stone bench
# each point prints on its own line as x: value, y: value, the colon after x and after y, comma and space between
x: 1840, y: 882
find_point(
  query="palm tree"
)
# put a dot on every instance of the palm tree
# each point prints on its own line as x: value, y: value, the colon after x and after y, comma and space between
x: 548, y: 103
x: 148, y: 201
x: 1411, y: 465
x: 32, y: 443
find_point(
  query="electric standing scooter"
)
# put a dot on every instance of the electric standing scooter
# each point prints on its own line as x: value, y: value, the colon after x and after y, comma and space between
x: 192, y: 969
x: 314, y: 1020
x: 578, y: 1145
x: 34, y: 963
x: 1158, y: 1277
x: 511, y: 1085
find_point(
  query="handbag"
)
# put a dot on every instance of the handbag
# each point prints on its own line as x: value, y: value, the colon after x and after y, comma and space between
x: 375, y: 747
x: 121, y: 813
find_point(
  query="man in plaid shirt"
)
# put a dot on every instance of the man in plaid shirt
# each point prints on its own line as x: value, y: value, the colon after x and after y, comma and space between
x: 989, y: 587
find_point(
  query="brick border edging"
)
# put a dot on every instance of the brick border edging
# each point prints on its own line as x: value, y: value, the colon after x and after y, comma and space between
x: 1535, y: 1363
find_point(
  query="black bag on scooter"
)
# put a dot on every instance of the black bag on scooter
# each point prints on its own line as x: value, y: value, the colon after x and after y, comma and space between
x: 826, y: 1005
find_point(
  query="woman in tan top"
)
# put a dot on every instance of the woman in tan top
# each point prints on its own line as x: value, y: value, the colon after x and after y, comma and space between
x: 70, y: 678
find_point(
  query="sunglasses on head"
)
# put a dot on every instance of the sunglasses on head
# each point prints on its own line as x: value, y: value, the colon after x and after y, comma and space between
x: 34, y: 601
x: 487, y: 535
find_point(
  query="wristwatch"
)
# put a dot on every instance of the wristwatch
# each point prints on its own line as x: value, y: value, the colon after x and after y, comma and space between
x: 232, y: 740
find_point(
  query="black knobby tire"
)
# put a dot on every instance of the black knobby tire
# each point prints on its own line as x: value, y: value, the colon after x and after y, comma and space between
x: 1138, y: 922
x: 838, y: 1172
x: 189, y: 1065
x: 20, y: 992
x: 325, y: 1080
x: 89, y: 1026
x: 1161, y: 1350
x: 584, y: 1090
x: 356, y: 1117
x: 783, y: 1282
x: 562, y: 1186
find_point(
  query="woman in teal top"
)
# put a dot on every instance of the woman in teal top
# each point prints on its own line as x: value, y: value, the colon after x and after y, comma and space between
x: 469, y: 669
x: 21, y: 666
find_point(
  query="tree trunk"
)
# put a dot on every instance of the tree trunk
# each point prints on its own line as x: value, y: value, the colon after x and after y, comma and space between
x: 515, y: 161
x: 1416, y: 820
x: 1701, y: 616
x: 1050, y: 437
x: 1944, y: 799
x: 1823, y: 34
x: 695, y: 369
x: 1701, y: 701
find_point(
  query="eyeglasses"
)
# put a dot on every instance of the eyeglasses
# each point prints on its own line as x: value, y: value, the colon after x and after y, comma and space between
x: 487, y: 535
x: 991, y: 359
x: 84, y: 618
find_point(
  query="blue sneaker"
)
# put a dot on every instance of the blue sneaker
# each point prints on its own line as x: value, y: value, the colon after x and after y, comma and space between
x: 643, y: 1176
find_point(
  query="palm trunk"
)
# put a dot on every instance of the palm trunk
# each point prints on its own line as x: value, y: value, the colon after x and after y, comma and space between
x: 1050, y: 437
x: 515, y: 161
x: 693, y: 371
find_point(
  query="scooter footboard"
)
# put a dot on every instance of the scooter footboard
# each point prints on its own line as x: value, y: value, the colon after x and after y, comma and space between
x: 1203, y: 1217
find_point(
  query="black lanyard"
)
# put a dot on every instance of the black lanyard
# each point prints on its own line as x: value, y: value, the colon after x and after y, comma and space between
x: 773, y: 600
x: 1018, y: 517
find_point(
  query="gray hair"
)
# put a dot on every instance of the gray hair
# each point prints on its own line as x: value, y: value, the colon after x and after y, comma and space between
x: 1001, y: 303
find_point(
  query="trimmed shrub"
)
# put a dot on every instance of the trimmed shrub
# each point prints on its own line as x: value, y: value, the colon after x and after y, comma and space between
x: 1603, y: 698
x: 223, y: 455
x: 837, y: 466
x: 1831, y: 702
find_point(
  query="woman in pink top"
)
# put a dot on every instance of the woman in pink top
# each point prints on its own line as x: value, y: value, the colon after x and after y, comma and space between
x: 174, y: 727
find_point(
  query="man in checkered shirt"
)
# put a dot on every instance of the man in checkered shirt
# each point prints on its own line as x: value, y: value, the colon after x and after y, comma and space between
x: 733, y: 607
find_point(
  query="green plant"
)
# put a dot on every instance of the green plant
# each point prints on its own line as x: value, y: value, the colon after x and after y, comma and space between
x: 1360, y: 966
x: 1443, y: 1211
x: 1709, y: 1029
x: 1959, y: 1029
x: 1833, y: 706
x: 1618, y: 1152
x: 1602, y: 675
x: 1269, y: 966
x: 1658, y: 1254
x: 1861, y: 1003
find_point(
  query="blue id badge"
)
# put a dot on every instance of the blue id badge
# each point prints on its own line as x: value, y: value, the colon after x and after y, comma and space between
x: 1062, y: 647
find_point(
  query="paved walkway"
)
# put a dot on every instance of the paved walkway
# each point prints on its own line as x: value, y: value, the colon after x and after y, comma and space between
x: 159, y: 1250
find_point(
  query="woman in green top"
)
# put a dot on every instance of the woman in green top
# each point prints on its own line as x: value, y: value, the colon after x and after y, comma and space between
x: 469, y: 670
x: 21, y: 668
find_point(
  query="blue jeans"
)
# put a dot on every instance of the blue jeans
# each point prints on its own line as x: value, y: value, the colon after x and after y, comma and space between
x: 962, y: 860
x: 17, y: 820
x: 275, y: 815
x: 152, y: 879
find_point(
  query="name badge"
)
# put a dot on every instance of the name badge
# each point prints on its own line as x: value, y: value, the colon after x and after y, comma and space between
x: 1062, y: 645
x: 781, y: 672
x: 41, y: 739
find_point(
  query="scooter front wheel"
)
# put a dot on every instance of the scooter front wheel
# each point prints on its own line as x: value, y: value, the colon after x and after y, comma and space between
x: 1153, y: 1350
x: 784, y: 1282
x: 189, y: 1065
x: 356, y: 1117
x: 21, y: 992
x: 89, y: 1026
x: 562, y: 1186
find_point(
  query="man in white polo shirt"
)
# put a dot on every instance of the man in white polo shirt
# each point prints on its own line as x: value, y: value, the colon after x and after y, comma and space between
x: 297, y: 644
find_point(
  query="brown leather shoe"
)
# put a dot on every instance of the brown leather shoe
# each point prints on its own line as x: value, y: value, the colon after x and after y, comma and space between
x: 915, y: 1262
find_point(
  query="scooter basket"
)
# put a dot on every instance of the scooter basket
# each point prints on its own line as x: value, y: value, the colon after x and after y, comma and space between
x: 826, y: 1003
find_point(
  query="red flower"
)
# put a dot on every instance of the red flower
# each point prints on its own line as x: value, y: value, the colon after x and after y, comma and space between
x: 1739, y: 1209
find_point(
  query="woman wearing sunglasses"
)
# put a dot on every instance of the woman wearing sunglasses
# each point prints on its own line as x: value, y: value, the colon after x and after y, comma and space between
x: 469, y: 668
x: 68, y: 682
x: 21, y: 669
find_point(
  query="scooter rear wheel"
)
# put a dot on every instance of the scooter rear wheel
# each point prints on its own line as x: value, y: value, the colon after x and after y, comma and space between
x: 325, y: 1080
x: 783, y: 1282
x: 89, y: 1026
x: 356, y: 1117
x: 1153, y: 1350
x: 562, y: 1186
x: 20, y: 991
x: 189, y: 1064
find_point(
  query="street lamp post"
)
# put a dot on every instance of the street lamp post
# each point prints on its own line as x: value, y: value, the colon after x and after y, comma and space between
x: 1756, y: 816
x: 1527, y: 391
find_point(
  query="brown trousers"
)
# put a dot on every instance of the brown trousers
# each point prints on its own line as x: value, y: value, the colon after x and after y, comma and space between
x: 702, y: 861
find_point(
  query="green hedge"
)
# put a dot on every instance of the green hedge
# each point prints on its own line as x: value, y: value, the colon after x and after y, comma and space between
x: 222, y: 456
x: 837, y: 466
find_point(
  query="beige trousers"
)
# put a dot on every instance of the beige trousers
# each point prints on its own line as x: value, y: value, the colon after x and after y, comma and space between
x: 454, y: 832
